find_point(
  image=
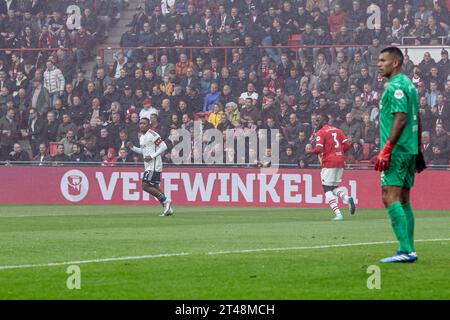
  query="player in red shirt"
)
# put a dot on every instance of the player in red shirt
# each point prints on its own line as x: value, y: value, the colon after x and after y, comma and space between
x: 332, y: 144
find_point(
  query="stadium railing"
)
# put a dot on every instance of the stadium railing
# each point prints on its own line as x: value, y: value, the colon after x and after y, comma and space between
x: 414, y: 51
x: 38, y: 52
x: 355, y: 166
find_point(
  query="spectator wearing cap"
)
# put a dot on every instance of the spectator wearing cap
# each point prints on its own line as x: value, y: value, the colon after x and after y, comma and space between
x: 148, y: 109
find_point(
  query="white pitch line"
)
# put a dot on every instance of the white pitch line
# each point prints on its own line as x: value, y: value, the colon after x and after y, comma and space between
x: 153, y: 256
x: 319, y: 246
x: 56, y: 264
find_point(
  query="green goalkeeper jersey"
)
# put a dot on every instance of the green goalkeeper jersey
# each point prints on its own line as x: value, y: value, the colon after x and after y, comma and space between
x: 400, y: 96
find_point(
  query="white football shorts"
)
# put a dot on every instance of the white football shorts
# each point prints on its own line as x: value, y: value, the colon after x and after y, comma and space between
x: 331, y: 176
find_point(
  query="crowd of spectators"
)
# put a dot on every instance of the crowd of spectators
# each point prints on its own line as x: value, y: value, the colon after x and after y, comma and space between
x: 255, y: 83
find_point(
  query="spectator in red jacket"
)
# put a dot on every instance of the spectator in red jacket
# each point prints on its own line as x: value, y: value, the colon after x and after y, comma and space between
x: 110, y: 158
x: 83, y: 42
x: 336, y: 19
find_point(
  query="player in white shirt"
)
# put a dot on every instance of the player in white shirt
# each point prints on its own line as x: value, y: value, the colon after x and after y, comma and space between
x: 152, y: 146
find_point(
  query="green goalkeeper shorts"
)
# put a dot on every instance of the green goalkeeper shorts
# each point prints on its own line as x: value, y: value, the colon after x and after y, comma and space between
x: 401, y: 171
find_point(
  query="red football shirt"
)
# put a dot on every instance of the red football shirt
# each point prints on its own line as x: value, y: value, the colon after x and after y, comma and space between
x: 333, y: 144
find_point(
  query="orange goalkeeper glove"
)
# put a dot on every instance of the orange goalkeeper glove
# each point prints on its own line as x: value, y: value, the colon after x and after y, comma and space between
x: 384, y: 157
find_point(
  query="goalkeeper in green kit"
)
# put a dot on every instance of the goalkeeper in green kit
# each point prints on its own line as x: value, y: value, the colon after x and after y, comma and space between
x: 400, y: 156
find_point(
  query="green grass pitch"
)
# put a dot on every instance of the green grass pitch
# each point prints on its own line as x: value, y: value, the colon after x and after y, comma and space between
x: 215, y: 253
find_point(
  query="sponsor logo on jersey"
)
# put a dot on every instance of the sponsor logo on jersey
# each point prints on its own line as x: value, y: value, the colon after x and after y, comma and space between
x: 399, y: 94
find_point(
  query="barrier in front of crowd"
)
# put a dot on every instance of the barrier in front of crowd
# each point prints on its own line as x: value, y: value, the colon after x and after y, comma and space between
x: 204, y: 186
x: 415, y: 52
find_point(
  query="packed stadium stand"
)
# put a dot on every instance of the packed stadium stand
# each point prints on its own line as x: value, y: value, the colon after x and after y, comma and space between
x: 76, y: 75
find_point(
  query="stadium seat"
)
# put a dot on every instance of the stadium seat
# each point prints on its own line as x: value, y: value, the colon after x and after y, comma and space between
x: 53, y: 147
x: 197, y: 115
x: 294, y: 39
x: 366, y: 150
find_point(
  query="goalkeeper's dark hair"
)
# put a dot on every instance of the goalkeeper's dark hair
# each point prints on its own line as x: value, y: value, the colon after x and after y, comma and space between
x: 396, y: 52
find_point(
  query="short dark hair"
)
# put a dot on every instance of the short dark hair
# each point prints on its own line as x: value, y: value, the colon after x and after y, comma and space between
x: 325, y: 117
x: 146, y: 119
x: 396, y: 52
